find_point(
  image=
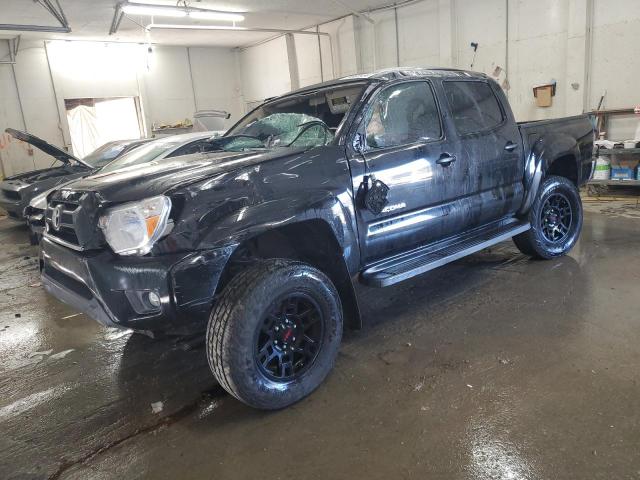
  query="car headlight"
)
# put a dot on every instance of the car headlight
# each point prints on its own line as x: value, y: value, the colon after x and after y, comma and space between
x: 133, y: 228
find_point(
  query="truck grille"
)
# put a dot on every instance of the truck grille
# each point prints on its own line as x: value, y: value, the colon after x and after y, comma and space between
x: 71, y: 219
x: 59, y: 219
x: 11, y: 194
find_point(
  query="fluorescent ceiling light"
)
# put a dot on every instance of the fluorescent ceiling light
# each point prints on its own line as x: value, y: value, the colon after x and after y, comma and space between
x: 230, y: 17
x: 194, y: 27
x: 180, y: 12
x: 154, y: 11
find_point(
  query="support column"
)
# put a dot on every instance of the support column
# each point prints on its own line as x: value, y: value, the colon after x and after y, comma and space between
x: 447, y: 33
x: 578, y: 56
x: 293, y: 61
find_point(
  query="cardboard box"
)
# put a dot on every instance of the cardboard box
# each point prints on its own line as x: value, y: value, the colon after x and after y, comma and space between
x: 543, y: 94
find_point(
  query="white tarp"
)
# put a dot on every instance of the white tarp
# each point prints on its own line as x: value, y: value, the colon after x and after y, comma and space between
x: 108, y: 120
x: 84, y: 130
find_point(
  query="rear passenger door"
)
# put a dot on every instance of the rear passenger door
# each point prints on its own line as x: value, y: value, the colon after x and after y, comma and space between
x: 488, y: 146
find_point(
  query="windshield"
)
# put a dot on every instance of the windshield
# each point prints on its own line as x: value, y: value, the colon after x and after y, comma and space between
x: 143, y: 154
x: 301, y: 121
x: 104, y: 154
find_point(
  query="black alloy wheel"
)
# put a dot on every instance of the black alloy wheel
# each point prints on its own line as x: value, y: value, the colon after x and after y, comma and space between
x: 290, y: 337
x: 556, y: 218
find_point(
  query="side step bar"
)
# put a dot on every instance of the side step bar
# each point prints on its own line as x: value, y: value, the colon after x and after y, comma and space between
x: 388, y: 272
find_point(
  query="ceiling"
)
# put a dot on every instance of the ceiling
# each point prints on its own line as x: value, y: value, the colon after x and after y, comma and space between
x: 91, y: 19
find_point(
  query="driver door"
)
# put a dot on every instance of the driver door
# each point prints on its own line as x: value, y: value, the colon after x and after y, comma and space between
x: 407, y: 150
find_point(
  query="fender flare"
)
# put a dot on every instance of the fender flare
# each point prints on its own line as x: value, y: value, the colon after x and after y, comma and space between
x: 321, y: 206
x: 538, y: 164
x: 533, y: 174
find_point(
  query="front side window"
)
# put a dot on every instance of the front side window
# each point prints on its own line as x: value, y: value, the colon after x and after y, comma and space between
x: 403, y: 114
x: 474, y: 106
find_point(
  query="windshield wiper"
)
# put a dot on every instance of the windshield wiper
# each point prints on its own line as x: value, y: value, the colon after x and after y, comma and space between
x: 222, y: 142
x: 310, y: 124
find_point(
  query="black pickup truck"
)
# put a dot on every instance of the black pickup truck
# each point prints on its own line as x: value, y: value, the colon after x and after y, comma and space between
x: 374, y: 178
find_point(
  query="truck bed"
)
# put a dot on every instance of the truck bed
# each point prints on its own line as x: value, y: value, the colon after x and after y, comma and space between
x: 561, y: 137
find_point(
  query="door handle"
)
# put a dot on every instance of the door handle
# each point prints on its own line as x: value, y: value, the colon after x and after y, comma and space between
x: 445, y: 160
x: 510, y: 146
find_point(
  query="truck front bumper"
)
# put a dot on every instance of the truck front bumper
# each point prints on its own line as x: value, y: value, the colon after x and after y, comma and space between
x: 117, y: 291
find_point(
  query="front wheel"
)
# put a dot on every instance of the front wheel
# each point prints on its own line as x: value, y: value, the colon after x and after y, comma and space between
x: 556, y: 220
x: 274, y: 333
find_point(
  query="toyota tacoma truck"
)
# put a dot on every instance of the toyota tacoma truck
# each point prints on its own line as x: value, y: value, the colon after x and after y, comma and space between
x: 259, y: 241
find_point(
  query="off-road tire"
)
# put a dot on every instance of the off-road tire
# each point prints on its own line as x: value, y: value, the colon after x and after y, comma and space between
x: 534, y: 242
x: 238, y: 315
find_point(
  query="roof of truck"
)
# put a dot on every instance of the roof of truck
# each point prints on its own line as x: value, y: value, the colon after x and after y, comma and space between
x: 393, y: 74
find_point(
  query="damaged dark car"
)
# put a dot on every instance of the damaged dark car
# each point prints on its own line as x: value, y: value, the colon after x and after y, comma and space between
x: 18, y: 190
x: 259, y: 241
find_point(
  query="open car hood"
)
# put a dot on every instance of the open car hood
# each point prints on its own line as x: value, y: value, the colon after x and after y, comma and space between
x: 47, y: 148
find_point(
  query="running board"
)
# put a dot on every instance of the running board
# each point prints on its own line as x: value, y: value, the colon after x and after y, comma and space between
x: 395, y: 270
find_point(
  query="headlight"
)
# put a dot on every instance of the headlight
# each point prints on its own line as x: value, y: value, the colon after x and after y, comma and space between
x: 133, y: 228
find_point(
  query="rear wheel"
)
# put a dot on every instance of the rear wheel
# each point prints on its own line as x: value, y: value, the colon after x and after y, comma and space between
x: 274, y: 333
x: 556, y: 220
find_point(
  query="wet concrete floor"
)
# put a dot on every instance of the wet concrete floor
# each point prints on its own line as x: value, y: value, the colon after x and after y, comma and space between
x: 495, y: 366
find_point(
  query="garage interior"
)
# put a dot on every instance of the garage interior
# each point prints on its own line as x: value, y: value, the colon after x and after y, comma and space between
x: 494, y: 366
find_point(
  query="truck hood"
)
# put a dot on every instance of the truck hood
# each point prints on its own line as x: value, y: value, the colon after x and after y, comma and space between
x: 47, y: 148
x: 162, y: 176
x: 39, y: 202
x: 36, y: 176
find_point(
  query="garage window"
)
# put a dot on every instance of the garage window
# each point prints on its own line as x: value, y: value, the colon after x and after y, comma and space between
x: 474, y: 106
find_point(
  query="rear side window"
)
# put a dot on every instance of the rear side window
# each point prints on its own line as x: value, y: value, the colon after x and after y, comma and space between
x: 474, y: 106
x: 403, y: 114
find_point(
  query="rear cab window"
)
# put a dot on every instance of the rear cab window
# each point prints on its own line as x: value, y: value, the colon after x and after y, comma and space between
x: 474, y: 106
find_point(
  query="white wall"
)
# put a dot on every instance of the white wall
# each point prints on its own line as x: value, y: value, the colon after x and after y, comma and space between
x: 171, y: 83
x: 216, y: 80
x: 265, y: 70
x: 168, y: 84
x: 40, y: 112
x: 615, y: 61
x: 538, y: 55
x: 421, y: 49
x: 307, y: 48
x: 532, y: 42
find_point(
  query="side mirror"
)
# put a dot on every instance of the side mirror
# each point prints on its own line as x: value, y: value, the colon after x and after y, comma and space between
x: 358, y: 142
x: 375, y: 197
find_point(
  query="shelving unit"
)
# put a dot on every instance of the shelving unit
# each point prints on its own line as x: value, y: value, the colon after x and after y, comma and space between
x: 618, y: 151
x: 610, y: 152
x: 603, y: 115
x: 619, y: 183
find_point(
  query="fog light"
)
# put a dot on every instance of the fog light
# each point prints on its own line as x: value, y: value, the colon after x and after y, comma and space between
x: 153, y: 299
x: 144, y: 302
